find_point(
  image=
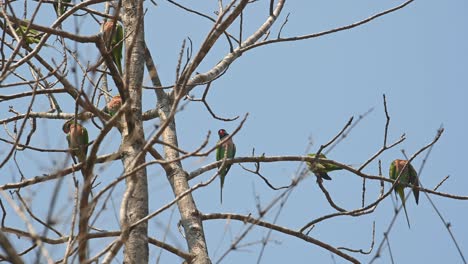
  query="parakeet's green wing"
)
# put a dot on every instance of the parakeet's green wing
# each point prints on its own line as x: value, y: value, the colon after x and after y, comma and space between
x: 118, y: 37
x: 322, y: 168
x: 85, y: 136
x: 231, y: 153
x: 394, y: 175
x: 392, y: 171
x: 331, y: 167
x: 220, y: 153
x: 321, y: 155
x: 85, y: 140
x: 31, y: 37
x: 118, y: 49
x: 413, y: 179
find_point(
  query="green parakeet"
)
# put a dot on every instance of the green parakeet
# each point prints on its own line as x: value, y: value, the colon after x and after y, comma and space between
x: 113, y: 105
x: 321, y: 169
x: 408, y: 176
x: 116, y: 41
x: 225, y: 150
x: 32, y: 36
x: 62, y: 8
x: 77, y: 137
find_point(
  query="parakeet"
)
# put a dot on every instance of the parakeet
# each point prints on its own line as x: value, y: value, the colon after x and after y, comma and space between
x: 226, y: 150
x: 63, y: 7
x: 31, y: 37
x: 77, y: 137
x: 408, y: 176
x: 116, y: 41
x: 321, y: 169
x: 113, y: 105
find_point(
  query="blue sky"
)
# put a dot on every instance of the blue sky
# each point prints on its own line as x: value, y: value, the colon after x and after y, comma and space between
x: 298, y: 90
x: 294, y: 91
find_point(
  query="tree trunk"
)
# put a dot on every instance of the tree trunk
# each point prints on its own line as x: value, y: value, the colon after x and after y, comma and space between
x: 190, y: 218
x: 135, y: 201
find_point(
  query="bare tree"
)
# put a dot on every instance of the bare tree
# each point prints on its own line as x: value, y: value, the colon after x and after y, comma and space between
x: 57, y: 72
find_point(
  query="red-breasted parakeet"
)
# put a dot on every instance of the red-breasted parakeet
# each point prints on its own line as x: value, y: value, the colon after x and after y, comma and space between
x: 116, y: 41
x: 321, y: 169
x: 77, y: 137
x: 408, y: 176
x: 113, y: 105
x: 225, y: 150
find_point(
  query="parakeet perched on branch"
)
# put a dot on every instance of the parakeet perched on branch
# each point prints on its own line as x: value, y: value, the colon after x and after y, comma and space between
x: 225, y: 150
x: 321, y: 169
x: 113, y: 105
x: 77, y: 137
x: 408, y: 176
x: 116, y: 41
x: 31, y: 36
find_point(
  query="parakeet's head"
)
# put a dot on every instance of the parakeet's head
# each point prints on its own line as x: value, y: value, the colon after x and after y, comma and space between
x: 222, y: 133
x: 400, y: 164
x: 66, y: 127
x: 109, y: 25
x: 116, y: 100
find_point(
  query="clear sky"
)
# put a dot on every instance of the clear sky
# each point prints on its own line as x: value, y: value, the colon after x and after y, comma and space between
x: 297, y: 91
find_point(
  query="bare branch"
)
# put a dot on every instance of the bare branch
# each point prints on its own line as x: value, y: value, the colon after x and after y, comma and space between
x: 280, y: 229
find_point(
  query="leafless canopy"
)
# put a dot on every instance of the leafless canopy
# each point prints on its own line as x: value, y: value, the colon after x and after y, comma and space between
x: 54, y: 70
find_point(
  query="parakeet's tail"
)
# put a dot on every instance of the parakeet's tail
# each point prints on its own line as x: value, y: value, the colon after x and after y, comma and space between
x: 81, y: 156
x: 119, y: 65
x: 221, y: 195
x: 402, y: 196
x: 325, y: 176
x: 221, y: 177
x: 406, y: 214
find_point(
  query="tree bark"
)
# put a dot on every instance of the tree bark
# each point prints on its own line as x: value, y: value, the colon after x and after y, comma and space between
x: 178, y: 178
x: 135, y: 201
x: 190, y: 217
